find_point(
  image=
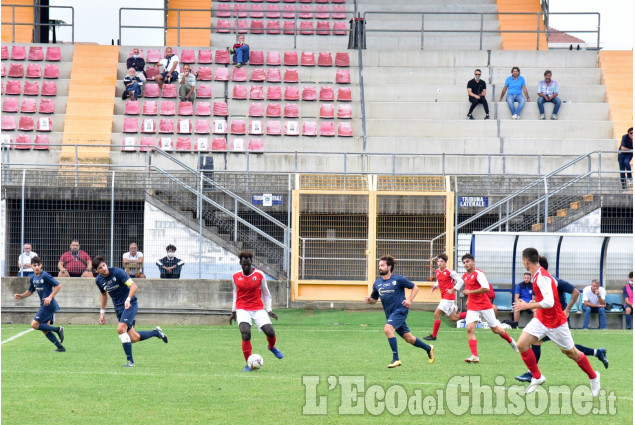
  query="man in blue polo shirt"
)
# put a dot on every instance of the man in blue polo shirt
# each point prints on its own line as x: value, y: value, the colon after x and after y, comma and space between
x: 525, y: 292
x: 390, y: 288
x: 516, y: 85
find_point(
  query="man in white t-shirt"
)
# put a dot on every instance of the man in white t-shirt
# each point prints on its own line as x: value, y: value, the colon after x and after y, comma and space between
x: 24, y: 261
x: 133, y: 262
x: 171, y: 68
x: 593, y: 302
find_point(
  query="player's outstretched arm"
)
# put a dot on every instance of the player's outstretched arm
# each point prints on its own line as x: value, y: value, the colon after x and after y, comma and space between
x: 23, y: 295
x: 232, y: 317
x: 370, y: 300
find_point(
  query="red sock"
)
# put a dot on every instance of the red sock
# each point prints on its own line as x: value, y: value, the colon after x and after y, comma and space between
x: 507, y: 338
x: 435, y: 329
x: 246, y: 349
x: 462, y: 315
x: 272, y: 341
x: 530, y: 360
x: 472, y: 343
x: 584, y: 364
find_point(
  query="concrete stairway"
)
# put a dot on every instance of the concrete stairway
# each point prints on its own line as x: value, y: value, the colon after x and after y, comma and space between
x: 23, y: 15
x: 521, y: 41
x: 617, y: 76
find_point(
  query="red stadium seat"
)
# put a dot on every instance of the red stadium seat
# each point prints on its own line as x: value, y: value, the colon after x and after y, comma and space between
x: 305, y: 12
x: 327, y: 111
x: 8, y: 122
x: 130, y: 125
x: 291, y: 93
x: 288, y: 11
x: 309, y: 128
x: 219, y: 144
x: 325, y: 59
x: 256, y: 145
x: 290, y: 58
x: 4, y: 70
x: 18, y: 53
x: 239, y: 92
x: 309, y: 93
x: 256, y: 109
x: 44, y: 124
x: 223, y: 26
x: 203, y: 109
x: 308, y: 59
x: 151, y: 72
x: 256, y: 11
x: 242, y: 25
x: 47, y: 106
x: 237, y: 145
x: 201, y: 127
x: 322, y: 12
x: 255, y: 127
x: 334, y: 1
x: 224, y: 10
x: 273, y: 75
x: 238, y: 127
x: 23, y: 141
x: 51, y: 71
x: 273, y: 58
x: 307, y: 28
x: 32, y: 88
x: 273, y: 11
x: 344, y: 111
x: 291, y: 128
x: 185, y: 108
x: 151, y: 90
x: 153, y: 56
x: 167, y: 108
x: 339, y: 28
x: 5, y: 52
x: 323, y: 28
x: 204, y: 73
x: 342, y: 60
x: 274, y: 93
x: 219, y: 127
x: 166, y: 143
x: 256, y: 93
x: 344, y: 94
x: 128, y: 144
x: 273, y: 27
x: 339, y: 12
x: 53, y: 54
x: 257, y: 74
x: 41, y: 142
x: 16, y: 70
x: 33, y: 70
x: 273, y: 110
x: 257, y: 26
x: 203, y: 91
x: 326, y: 94
x: 168, y: 91
x: 147, y: 144
x: 188, y: 56
x: 202, y: 143
x: 291, y: 110
x: 221, y: 57
x: 10, y: 104
x: 274, y: 128
x: 166, y: 126
x: 257, y: 58
x: 345, y: 129
x: 327, y: 128
x: 149, y: 107
x: 184, y: 127
x: 291, y: 76
x: 132, y: 107
x: 343, y: 76
x: 205, y: 56
x: 14, y: 87
x: 221, y: 74
x: 239, y: 74
x: 288, y: 27
x: 148, y: 126
x: 219, y: 109
x: 240, y: 10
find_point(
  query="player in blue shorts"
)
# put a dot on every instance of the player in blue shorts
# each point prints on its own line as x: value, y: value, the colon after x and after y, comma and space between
x: 46, y: 288
x: 390, y: 289
x: 122, y: 290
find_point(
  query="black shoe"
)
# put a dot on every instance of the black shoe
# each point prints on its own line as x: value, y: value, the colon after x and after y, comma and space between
x: 60, y: 349
x: 486, y: 117
x: 60, y: 333
x: 470, y: 117
x: 525, y: 377
x: 430, y: 338
x: 601, y: 355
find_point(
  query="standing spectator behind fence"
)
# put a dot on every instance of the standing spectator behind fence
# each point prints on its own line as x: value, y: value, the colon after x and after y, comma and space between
x: 75, y: 263
x: 188, y: 84
x: 625, y: 157
x: 548, y: 92
x: 170, y: 66
x: 517, y: 87
x: 593, y: 302
x: 476, y: 92
x: 24, y: 261
x: 170, y: 266
x: 139, y: 64
x: 133, y: 87
x: 627, y: 292
x: 133, y: 262
x: 240, y: 52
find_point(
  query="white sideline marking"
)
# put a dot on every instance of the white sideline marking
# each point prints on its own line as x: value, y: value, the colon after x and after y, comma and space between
x: 18, y: 335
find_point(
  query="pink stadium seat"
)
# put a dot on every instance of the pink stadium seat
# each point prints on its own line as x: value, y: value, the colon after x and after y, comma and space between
x: 255, y: 127
x: 305, y: 12
x: 8, y: 122
x: 334, y: 1
x: 237, y: 145
x: 4, y: 70
x: 166, y: 126
x: 51, y: 71
x: 185, y: 108
x: 151, y: 90
x: 166, y: 143
x: 223, y: 26
x: 151, y: 72
x: 309, y: 128
x: 201, y: 127
x: 10, y: 104
x: 148, y: 126
x: 18, y: 53
x: 128, y: 144
x: 291, y: 128
x: 273, y: 58
x: 219, y: 126
x: 257, y: 58
x: 256, y: 145
x: 41, y: 142
x: 339, y: 28
x: 153, y: 56
x: 53, y: 54
x: 257, y: 74
x: 291, y: 110
x: 322, y: 12
x: 256, y: 93
x: 342, y: 60
x: 203, y: 109
x: 168, y: 91
x: 256, y: 11
x: 221, y: 57
x: 288, y: 27
x: 273, y: 27
x: 344, y: 111
x: 291, y: 93
x: 149, y: 107
x: 325, y: 59
x: 256, y: 109
x: 327, y: 111
x: 345, y: 129
x: 36, y: 53
x: 202, y: 143
x: 43, y: 124
x: 243, y: 26
x: 5, y: 52
x: 239, y: 74
x: 130, y: 125
x: 273, y: 11
x: 273, y: 75
x: 47, y: 106
x: 343, y: 76
x: 323, y: 28
x: 219, y: 144
x: 203, y: 91
x: 205, y: 56
x: 147, y: 144
x: 274, y: 128
x: 238, y: 127
x: 240, y: 10
x: 204, y: 73
x: 16, y: 70
x: 290, y: 58
x: 224, y: 10
x: 49, y: 88
x: 309, y: 93
x: 339, y: 12
x: 239, y: 92
x: 344, y: 94
x: 273, y: 110
x: 14, y: 87
x: 167, y: 108
x: 288, y: 11
x: 184, y: 127
x: 291, y: 76
x: 274, y: 93
x: 132, y: 107
x: 188, y: 56
x: 327, y: 128
x: 221, y: 74
x: 326, y: 94
x: 257, y: 26
x: 307, y: 28
x: 308, y: 59
x: 23, y: 141
x: 219, y: 109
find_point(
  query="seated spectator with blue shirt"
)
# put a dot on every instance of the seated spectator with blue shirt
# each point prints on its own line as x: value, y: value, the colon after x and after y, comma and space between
x: 170, y: 266
x: 516, y: 85
x: 548, y: 92
x: 133, y: 87
x: 524, y: 291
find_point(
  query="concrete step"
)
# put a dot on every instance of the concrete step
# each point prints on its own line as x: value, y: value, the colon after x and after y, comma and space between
x: 431, y: 42
x: 433, y: 128
x: 415, y: 58
x: 474, y: 9
x: 564, y: 76
x: 548, y: 59
x: 433, y: 23
x: 557, y: 129
x: 404, y: 3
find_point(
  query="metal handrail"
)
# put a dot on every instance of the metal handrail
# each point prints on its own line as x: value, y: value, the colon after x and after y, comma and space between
x: 13, y: 23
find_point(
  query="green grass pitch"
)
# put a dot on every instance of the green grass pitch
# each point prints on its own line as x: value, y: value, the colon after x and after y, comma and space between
x: 197, y: 377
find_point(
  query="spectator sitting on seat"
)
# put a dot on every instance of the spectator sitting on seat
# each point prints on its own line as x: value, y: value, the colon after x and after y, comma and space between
x: 476, y: 92
x: 133, y: 262
x: 525, y: 292
x: 593, y: 298
x: 24, y: 261
x: 240, y: 52
x: 170, y: 266
x: 75, y: 263
x: 624, y: 159
x: 548, y: 92
x: 188, y: 84
x: 170, y: 66
x: 517, y: 87
x: 139, y: 64
x: 132, y: 83
x: 627, y: 292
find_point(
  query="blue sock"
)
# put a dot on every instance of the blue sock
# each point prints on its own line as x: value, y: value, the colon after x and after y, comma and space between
x: 148, y: 334
x: 127, y: 347
x: 51, y: 337
x: 586, y: 350
x: 421, y: 344
x: 44, y: 327
x: 393, y: 346
x: 536, y: 350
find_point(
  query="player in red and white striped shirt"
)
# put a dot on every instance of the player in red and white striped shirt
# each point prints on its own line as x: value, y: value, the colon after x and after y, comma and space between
x: 250, y: 287
x: 550, y: 321
x: 479, y: 306
x: 448, y: 282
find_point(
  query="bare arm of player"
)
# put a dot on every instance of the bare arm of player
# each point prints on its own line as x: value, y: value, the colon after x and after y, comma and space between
x: 369, y: 300
x: 102, y: 306
x: 133, y: 291
x: 56, y: 289
x: 23, y: 295
x: 574, y: 299
x: 413, y: 293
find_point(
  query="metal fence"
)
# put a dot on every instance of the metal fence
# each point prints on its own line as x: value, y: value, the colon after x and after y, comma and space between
x: 38, y: 26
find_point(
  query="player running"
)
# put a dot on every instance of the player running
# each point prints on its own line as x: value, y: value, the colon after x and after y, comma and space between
x: 550, y: 321
x: 250, y: 285
x: 448, y: 282
x: 479, y: 306
x: 390, y: 288
x: 46, y: 288
x: 122, y: 290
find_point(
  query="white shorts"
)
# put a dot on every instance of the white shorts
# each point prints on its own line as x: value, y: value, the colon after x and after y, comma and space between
x: 260, y: 317
x: 447, y: 306
x: 486, y: 315
x: 561, y: 336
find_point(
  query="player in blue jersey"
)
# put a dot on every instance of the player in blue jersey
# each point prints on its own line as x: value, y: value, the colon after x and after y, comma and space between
x: 122, y: 290
x: 563, y: 288
x: 46, y: 288
x: 390, y: 289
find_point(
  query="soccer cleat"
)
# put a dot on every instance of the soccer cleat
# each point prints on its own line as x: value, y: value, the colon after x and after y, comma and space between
x: 129, y: 364
x: 163, y: 336
x: 60, y: 333
x: 431, y: 354
x: 472, y: 359
x: 470, y: 117
x: 514, y: 346
x: 486, y: 117
x: 394, y: 363
x: 525, y: 377
x: 276, y: 352
x: 60, y: 349
x: 595, y: 385
x: 534, y: 384
x: 542, y: 116
x: 601, y: 355
x: 554, y: 117
x: 430, y: 338
x: 247, y: 369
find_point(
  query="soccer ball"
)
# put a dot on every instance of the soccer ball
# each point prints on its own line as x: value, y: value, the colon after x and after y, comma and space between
x: 255, y: 361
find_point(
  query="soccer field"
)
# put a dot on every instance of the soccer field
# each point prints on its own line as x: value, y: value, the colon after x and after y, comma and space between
x: 197, y: 377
